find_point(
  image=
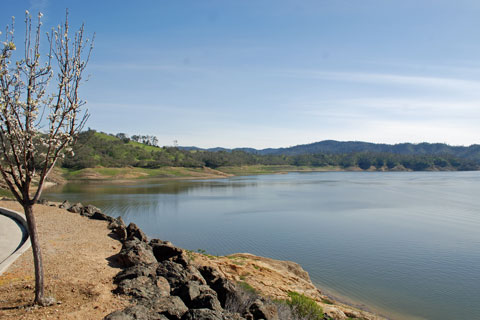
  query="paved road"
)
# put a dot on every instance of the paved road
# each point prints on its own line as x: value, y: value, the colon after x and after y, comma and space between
x: 11, y: 236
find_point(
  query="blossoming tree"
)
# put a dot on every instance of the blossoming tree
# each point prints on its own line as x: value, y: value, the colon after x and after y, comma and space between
x: 39, y: 124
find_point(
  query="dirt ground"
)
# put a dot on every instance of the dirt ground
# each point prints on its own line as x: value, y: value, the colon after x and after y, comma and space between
x: 77, y: 255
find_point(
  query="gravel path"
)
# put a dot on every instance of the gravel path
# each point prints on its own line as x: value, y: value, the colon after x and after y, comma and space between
x: 11, y: 236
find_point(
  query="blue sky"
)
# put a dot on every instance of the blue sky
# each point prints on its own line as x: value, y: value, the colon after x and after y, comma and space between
x: 278, y: 73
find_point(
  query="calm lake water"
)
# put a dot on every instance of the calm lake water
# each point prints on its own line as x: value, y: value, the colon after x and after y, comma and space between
x: 406, y: 245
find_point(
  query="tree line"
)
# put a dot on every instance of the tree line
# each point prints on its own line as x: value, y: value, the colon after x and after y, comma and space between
x: 99, y: 149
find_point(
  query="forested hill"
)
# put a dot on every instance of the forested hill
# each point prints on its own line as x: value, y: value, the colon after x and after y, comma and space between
x: 94, y: 149
x: 340, y: 147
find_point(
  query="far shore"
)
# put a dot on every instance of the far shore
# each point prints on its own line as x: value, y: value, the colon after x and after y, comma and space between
x: 180, y: 173
x: 61, y: 176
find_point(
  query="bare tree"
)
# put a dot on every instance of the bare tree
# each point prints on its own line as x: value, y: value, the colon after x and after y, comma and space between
x: 38, y: 125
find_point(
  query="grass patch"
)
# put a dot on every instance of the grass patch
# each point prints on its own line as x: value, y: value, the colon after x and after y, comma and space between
x: 101, y: 173
x: 246, y: 287
x: 203, y: 252
x: 190, y: 255
x: 6, y: 193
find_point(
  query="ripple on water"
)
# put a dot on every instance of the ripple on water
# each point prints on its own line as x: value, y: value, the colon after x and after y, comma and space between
x: 402, y: 243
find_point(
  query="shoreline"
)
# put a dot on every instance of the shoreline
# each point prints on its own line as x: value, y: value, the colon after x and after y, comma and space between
x: 17, y: 276
x: 128, y: 174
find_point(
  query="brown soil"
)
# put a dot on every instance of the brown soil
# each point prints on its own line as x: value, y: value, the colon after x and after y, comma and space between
x: 76, y: 254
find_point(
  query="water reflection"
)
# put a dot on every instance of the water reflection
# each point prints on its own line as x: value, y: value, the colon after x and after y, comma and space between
x: 407, y: 243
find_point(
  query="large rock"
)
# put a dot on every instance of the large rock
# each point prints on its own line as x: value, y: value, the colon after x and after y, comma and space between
x: 65, y: 205
x: 119, y: 228
x: 138, y: 312
x: 139, y: 270
x: 334, y: 313
x: 203, y: 314
x: 43, y: 201
x: 207, y: 314
x: 141, y: 288
x: 195, y: 275
x: 101, y: 216
x: 210, y: 274
x: 176, y: 275
x: 260, y: 310
x: 207, y: 300
x: 76, y: 208
x: 223, y: 287
x: 136, y: 252
x: 134, y: 232
x: 172, y: 307
x: 89, y: 210
x: 191, y: 291
x: 164, y: 250
x: 163, y: 284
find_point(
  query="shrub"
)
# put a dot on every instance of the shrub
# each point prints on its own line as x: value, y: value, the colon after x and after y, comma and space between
x: 304, y: 306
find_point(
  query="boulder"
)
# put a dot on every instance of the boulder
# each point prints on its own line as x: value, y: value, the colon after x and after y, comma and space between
x: 182, y: 259
x: 136, y: 287
x: 223, y: 287
x: 76, y: 208
x: 134, y: 232
x: 176, y: 275
x: 65, y: 205
x: 207, y: 300
x: 138, y: 312
x: 163, y: 285
x: 260, y: 310
x: 117, y: 223
x: 164, y: 250
x: 172, y: 307
x: 101, y: 216
x: 135, y: 252
x: 119, y: 228
x: 207, y: 314
x: 331, y: 312
x: 195, y: 275
x: 210, y: 274
x: 191, y: 290
x: 43, y: 201
x: 89, y: 210
x: 203, y: 314
x: 138, y: 270
x: 140, y: 288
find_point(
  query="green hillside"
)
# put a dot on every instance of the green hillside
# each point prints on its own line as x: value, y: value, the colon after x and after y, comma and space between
x: 97, y: 149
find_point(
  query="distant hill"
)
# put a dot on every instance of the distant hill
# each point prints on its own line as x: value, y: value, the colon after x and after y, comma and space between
x: 97, y: 149
x: 343, y: 147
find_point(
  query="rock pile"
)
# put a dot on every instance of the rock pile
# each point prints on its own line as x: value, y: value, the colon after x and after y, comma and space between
x: 164, y: 284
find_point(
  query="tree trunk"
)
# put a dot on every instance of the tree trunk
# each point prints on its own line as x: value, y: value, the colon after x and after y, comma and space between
x: 37, y: 255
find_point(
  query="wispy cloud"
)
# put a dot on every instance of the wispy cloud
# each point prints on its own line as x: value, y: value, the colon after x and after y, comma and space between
x: 393, y: 109
x: 145, y: 67
x: 390, y: 79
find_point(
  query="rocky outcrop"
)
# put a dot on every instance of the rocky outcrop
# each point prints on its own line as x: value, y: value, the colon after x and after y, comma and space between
x: 163, y: 284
